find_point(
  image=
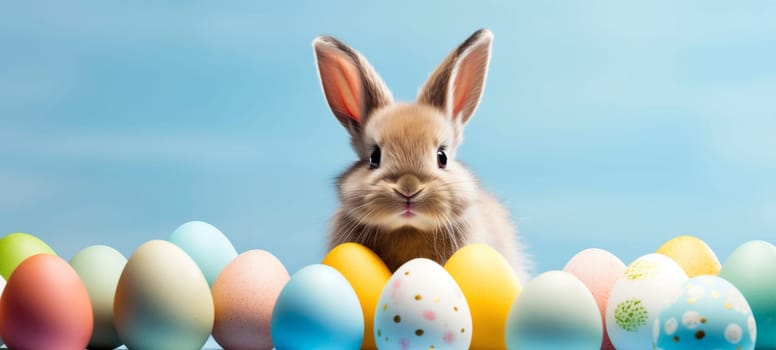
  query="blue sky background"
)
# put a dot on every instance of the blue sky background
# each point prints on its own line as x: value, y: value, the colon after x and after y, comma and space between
x: 604, y: 123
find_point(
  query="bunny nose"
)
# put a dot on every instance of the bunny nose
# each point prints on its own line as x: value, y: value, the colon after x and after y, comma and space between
x: 408, y: 186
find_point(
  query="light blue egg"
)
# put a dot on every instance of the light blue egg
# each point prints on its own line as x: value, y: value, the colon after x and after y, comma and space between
x: 555, y: 311
x: 709, y: 314
x: 207, y: 245
x: 317, y: 309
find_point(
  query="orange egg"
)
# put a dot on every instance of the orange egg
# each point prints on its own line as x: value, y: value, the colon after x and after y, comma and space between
x: 45, y: 306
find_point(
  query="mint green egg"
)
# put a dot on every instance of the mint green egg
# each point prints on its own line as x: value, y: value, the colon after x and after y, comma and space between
x: 16, y: 247
x: 100, y: 267
x: 207, y: 245
x: 555, y: 311
x: 752, y: 269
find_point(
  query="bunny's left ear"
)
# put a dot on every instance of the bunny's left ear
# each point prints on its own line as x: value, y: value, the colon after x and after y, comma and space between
x: 456, y: 85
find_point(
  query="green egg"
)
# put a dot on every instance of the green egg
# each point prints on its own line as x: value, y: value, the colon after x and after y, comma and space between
x: 752, y: 269
x: 16, y: 247
x: 100, y: 267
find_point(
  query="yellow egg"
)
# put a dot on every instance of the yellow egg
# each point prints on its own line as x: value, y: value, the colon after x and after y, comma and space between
x: 367, y: 274
x: 490, y: 287
x: 693, y: 255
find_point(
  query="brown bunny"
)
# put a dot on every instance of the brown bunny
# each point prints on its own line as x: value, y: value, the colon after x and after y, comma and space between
x: 407, y: 196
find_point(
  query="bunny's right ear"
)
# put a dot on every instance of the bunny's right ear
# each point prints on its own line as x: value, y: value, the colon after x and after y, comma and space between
x: 352, y: 87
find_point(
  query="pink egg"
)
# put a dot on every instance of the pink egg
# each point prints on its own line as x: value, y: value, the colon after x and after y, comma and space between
x: 45, y: 306
x: 244, y: 295
x: 598, y: 270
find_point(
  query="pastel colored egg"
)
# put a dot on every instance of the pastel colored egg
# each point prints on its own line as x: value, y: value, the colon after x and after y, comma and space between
x: 2, y: 288
x: 367, y: 274
x: 207, y: 245
x: 554, y: 311
x: 648, y: 285
x: 317, y: 309
x: 692, y: 254
x: 598, y: 269
x: 490, y: 287
x: 162, y: 300
x: 100, y: 267
x: 752, y: 269
x: 45, y: 306
x: 16, y: 247
x: 244, y: 295
x: 422, y: 307
x: 709, y: 314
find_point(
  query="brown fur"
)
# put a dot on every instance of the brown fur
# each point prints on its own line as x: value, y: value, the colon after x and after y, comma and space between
x: 451, y: 209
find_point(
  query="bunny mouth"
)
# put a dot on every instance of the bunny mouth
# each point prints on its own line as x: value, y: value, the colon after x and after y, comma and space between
x: 408, y: 211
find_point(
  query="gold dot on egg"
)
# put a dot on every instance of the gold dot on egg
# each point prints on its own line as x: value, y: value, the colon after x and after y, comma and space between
x: 691, y: 300
x: 728, y: 306
x: 418, y: 332
x: 397, y: 318
x: 436, y: 300
x: 462, y: 330
x: 455, y: 308
x: 703, y: 319
x: 431, y: 347
x: 406, y: 273
x: 714, y: 294
x: 385, y: 307
x: 418, y: 297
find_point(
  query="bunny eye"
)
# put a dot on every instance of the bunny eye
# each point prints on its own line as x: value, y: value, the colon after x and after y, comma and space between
x: 374, y: 158
x: 441, y: 158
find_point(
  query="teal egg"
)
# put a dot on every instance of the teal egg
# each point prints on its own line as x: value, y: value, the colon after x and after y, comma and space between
x: 709, y: 314
x: 555, y: 311
x: 317, y: 309
x: 207, y: 245
x: 752, y: 269
x: 99, y: 268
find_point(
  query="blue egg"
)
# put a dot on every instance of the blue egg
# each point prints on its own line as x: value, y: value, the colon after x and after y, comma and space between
x: 317, y: 309
x: 709, y: 314
x: 206, y: 245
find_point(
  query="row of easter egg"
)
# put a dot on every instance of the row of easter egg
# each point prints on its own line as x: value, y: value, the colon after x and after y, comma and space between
x: 160, y: 299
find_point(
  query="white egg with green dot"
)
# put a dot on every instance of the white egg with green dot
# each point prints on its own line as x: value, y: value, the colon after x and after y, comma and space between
x: 712, y: 314
x: 647, y: 286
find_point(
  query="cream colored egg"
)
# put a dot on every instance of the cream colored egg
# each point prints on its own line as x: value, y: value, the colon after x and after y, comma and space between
x: 163, y: 300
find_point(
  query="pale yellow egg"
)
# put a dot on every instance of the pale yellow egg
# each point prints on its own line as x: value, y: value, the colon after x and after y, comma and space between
x: 692, y: 254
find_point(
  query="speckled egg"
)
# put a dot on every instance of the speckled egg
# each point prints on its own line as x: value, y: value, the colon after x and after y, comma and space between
x: 598, y: 269
x: 692, y: 254
x: 554, y: 311
x: 422, y: 307
x: 710, y: 314
x: 367, y: 274
x: 490, y: 287
x: 752, y: 269
x: 317, y: 309
x: 244, y: 295
x: 648, y: 285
